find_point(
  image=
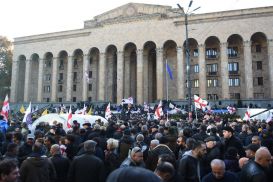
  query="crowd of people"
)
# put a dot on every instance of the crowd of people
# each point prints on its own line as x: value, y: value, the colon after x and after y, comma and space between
x: 168, y: 150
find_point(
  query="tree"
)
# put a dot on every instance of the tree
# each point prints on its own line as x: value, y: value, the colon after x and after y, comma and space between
x: 5, y: 66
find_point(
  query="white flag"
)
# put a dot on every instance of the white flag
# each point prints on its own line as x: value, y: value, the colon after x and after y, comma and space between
x: 159, y: 111
x: 247, y: 115
x: 5, y: 108
x: 200, y: 103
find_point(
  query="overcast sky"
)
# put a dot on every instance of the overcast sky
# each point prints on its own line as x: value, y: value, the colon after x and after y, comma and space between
x: 29, y: 17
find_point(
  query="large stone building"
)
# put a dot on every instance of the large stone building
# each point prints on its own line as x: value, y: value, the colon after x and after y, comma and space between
x: 122, y: 53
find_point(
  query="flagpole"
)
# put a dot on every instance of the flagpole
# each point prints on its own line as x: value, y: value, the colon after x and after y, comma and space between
x: 195, y: 113
x: 167, y: 85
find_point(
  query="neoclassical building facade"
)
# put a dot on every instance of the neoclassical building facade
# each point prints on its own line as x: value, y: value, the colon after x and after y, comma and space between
x: 122, y: 53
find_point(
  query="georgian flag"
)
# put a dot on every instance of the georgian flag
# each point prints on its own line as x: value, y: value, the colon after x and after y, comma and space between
x: 5, y: 108
x: 69, y: 118
x: 159, y: 110
x: 247, y: 115
x: 200, y: 103
x: 231, y: 109
x: 130, y: 100
x: 108, y: 112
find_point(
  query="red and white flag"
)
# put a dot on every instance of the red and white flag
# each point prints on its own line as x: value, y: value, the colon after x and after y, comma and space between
x: 5, y: 108
x: 247, y: 115
x: 69, y: 118
x: 108, y: 112
x: 159, y: 111
x: 231, y: 109
x: 200, y: 103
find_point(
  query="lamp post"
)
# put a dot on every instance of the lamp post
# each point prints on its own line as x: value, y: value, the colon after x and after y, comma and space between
x: 188, y: 51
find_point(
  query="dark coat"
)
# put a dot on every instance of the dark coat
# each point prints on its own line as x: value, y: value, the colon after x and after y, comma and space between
x: 61, y: 165
x: 37, y: 169
x: 228, y: 177
x: 86, y: 167
x: 236, y: 143
x: 188, y: 168
x: 253, y: 172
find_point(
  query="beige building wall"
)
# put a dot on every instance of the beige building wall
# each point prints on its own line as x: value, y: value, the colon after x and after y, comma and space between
x: 138, y: 24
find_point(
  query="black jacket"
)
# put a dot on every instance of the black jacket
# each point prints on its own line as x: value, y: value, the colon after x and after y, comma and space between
x: 236, y: 143
x: 61, y: 166
x: 253, y: 172
x: 86, y: 167
x: 188, y: 168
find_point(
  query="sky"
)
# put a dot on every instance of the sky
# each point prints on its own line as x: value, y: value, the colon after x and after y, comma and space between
x: 20, y: 18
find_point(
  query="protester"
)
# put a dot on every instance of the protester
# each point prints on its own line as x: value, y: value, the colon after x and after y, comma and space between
x: 135, y: 159
x: 9, y: 171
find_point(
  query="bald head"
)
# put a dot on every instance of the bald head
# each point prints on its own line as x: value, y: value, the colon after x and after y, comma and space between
x: 263, y: 157
x: 218, y: 168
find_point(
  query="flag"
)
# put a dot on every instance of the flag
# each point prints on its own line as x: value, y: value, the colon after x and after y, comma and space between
x: 5, y: 108
x: 69, y: 118
x: 169, y: 71
x: 108, y: 112
x: 171, y: 106
x: 231, y: 109
x: 90, y: 112
x: 269, y: 117
x: 130, y: 100
x: 247, y: 115
x: 27, y: 117
x: 159, y: 111
x: 45, y: 112
x: 200, y: 103
x: 81, y: 111
x: 22, y: 109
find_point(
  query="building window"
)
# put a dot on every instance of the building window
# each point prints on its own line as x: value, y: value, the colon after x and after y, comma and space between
x: 212, y: 82
x: 195, y: 53
x: 232, y: 52
x: 75, y: 63
x: 61, y: 76
x: 46, y: 89
x: 90, y: 87
x: 90, y: 74
x: 90, y: 60
x: 258, y: 48
x: 234, y: 82
x: 89, y: 99
x: 60, y: 99
x: 258, y: 96
x: 74, y: 99
x: 196, y: 68
x: 259, y: 65
x: 47, y: 99
x: 48, y: 63
x: 61, y: 66
x: 75, y: 76
x: 60, y: 88
x: 213, y: 97
x: 260, y: 81
x: 211, y: 53
x: 233, y: 68
x: 74, y: 88
x: 47, y: 77
x: 212, y: 69
x: 196, y: 83
x: 234, y: 95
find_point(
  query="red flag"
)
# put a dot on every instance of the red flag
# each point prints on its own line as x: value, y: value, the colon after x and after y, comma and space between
x: 247, y: 115
x: 5, y: 108
x: 108, y: 112
x: 159, y: 111
x: 200, y: 103
x: 69, y: 119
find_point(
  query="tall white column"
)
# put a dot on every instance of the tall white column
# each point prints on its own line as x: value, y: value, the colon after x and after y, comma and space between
x: 102, y: 77
x: 270, y: 59
x: 84, y: 81
x: 120, y: 76
x: 180, y: 73
x: 14, y: 81
x: 27, y: 80
x: 202, y: 72
x: 54, y: 71
x: 159, y: 73
x: 69, y: 79
x: 140, y: 78
x: 224, y: 71
x: 40, y: 80
x: 248, y: 70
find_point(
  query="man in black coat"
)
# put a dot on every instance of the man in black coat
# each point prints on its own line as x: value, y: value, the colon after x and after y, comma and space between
x: 257, y: 170
x: 60, y: 163
x: 87, y: 167
x: 189, y: 166
x: 232, y: 141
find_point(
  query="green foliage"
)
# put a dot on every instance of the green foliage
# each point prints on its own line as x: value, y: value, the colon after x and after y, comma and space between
x: 5, y: 66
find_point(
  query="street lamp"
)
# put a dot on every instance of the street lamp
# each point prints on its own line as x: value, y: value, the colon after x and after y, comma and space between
x: 188, y: 51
